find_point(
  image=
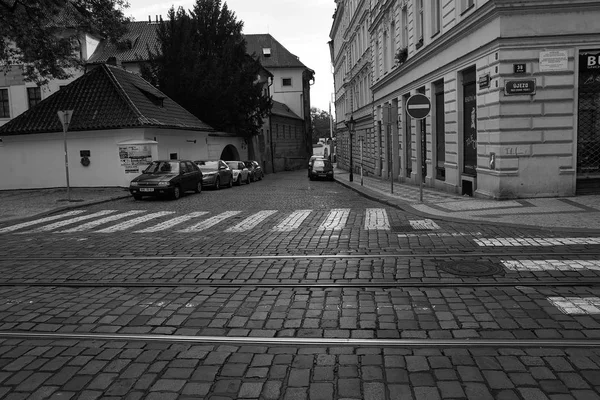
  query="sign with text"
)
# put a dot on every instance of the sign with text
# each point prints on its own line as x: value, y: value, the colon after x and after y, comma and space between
x: 519, y: 68
x: 554, y: 60
x: 512, y: 88
x: 589, y: 60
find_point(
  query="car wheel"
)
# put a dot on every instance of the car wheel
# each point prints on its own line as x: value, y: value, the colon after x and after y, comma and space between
x: 231, y: 181
x: 248, y: 180
x: 238, y: 182
x: 176, y: 193
x: 217, y: 183
x: 137, y: 196
x: 198, y: 187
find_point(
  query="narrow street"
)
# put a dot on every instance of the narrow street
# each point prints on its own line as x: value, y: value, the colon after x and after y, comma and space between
x: 292, y: 289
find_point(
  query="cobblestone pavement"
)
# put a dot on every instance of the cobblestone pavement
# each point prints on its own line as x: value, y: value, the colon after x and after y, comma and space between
x: 292, y: 289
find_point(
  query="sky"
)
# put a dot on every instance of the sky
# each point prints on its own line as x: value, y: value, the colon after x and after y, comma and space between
x: 302, y: 27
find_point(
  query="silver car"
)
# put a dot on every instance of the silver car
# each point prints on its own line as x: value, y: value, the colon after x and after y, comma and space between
x: 240, y: 172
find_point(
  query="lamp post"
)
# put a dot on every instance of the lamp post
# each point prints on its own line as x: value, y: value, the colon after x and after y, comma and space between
x: 351, y: 124
x: 65, y: 119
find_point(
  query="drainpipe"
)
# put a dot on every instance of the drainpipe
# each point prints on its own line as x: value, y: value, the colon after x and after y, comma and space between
x: 271, y: 129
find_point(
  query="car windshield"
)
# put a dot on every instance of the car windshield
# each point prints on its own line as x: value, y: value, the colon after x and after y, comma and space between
x: 208, y: 166
x: 233, y: 164
x: 168, y: 167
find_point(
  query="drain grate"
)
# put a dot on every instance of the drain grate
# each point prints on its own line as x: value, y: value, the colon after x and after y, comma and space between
x: 472, y: 268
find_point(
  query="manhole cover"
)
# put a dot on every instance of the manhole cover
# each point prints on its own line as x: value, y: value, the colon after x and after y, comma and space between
x: 472, y: 268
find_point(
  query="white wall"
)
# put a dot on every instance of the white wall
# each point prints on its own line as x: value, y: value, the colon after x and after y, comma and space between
x: 288, y: 95
x: 37, y: 160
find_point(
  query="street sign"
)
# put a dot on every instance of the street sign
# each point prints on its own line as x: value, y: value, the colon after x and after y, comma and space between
x: 519, y: 87
x: 418, y: 106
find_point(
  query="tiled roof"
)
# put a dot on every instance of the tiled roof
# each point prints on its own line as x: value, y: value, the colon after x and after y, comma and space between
x: 280, y: 57
x: 141, y: 35
x: 105, y: 98
x: 283, y: 111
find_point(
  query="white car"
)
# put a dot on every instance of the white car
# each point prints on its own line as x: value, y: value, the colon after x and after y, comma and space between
x: 240, y: 172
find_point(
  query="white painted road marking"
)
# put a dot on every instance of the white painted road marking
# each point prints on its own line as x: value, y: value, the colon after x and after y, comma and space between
x: 512, y: 242
x: 292, y: 221
x: 172, y: 222
x: 551, y: 265
x: 101, y: 221
x: 136, y: 221
x: 335, y: 220
x: 251, y: 221
x: 71, y: 221
x: 576, y: 305
x: 377, y: 219
x: 210, y: 222
x: 424, y: 224
x: 39, y: 221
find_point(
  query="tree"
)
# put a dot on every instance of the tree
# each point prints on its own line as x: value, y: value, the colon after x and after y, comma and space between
x: 44, y: 36
x: 201, y: 62
x: 321, y: 122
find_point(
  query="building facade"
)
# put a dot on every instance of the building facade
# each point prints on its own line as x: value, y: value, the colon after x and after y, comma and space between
x: 514, y: 88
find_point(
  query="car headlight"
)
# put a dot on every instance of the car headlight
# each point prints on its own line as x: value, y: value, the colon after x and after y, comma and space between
x: 164, y: 183
x: 134, y: 183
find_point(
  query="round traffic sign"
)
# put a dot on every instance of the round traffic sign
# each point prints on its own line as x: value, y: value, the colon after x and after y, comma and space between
x: 418, y: 106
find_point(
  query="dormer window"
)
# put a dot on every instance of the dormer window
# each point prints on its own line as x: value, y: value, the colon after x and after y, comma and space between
x: 266, y: 51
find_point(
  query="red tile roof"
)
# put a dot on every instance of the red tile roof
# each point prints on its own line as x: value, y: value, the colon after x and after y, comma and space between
x: 283, y: 111
x: 105, y: 98
x: 280, y: 57
x: 141, y: 35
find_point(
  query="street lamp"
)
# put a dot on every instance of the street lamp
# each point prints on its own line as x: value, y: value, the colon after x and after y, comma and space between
x: 351, y: 124
x: 65, y: 120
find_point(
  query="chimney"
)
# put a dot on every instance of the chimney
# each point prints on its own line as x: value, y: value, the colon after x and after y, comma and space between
x: 149, y: 19
x: 157, y: 19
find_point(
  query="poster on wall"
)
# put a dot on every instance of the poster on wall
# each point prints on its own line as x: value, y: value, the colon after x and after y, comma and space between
x: 135, y: 157
x: 554, y: 60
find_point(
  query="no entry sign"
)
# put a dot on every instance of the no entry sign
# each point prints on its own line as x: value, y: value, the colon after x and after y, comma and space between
x: 418, y: 106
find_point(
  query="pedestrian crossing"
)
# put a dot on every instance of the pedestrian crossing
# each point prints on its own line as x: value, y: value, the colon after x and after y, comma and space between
x: 231, y: 221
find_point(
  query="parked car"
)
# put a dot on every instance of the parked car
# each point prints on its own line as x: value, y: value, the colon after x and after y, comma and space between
x: 320, y: 168
x: 310, y: 160
x: 167, y: 178
x: 256, y: 171
x: 215, y: 173
x: 240, y: 172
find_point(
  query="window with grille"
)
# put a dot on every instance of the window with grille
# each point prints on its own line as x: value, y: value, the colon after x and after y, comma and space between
x: 34, y: 96
x: 4, y: 109
x: 286, y: 81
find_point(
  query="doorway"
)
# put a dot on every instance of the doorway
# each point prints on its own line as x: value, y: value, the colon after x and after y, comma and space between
x: 588, y: 123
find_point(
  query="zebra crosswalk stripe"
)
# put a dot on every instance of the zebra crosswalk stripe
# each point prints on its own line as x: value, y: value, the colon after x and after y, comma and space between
x: 576, y: 305
x: 541, y: 242
x: 71, y: 221
x: 377, y: 219
x: 251, y: 221
x: 210, y: 222
x: 551, y: 265
x: 172, y: 222
x: 39, y: 221
x: 136, y: 221
x: 336, y: 219
x: 292, y: 221
x: 101, y: 221
x: 424, y: 224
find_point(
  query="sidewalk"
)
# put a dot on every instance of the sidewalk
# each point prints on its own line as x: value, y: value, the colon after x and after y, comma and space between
x: 578, y: 214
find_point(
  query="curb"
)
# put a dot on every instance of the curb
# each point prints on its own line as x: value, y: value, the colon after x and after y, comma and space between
x: 406, y: 207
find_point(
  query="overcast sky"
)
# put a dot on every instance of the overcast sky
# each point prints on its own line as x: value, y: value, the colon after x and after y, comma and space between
x: 302, y: 27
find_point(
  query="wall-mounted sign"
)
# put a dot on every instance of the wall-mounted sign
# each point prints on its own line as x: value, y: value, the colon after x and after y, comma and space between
x: 519, y: 68
x: 554, y: 60
x: 589, y: 60
x: 484, y: 81
x: 84, y: 153
x: 519, y: 87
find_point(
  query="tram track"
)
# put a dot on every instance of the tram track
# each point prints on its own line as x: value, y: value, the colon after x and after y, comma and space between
x: 307, y: 341
x: 462, y: 254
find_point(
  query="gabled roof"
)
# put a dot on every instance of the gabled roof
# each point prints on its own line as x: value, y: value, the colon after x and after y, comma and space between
x: 141, y: 35
x: 105, y: 98
x: 282, y: 110
x: 279, y: 57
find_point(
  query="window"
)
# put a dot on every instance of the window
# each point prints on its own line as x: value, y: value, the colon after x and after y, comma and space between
x: 436, y: 15
x: 404, y: 28
x: 467, y: 4
x: 286, y: 82
x: 34, y: 96
x: 419, y: 22
x: 385, y: 52
x: 392, y: 41
x: 4, y: 110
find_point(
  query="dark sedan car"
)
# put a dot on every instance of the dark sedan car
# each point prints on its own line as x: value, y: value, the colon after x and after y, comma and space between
x: 215, y: 173
x: 167, y: 178
x: 320, y: 168
x: 256, y: 171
